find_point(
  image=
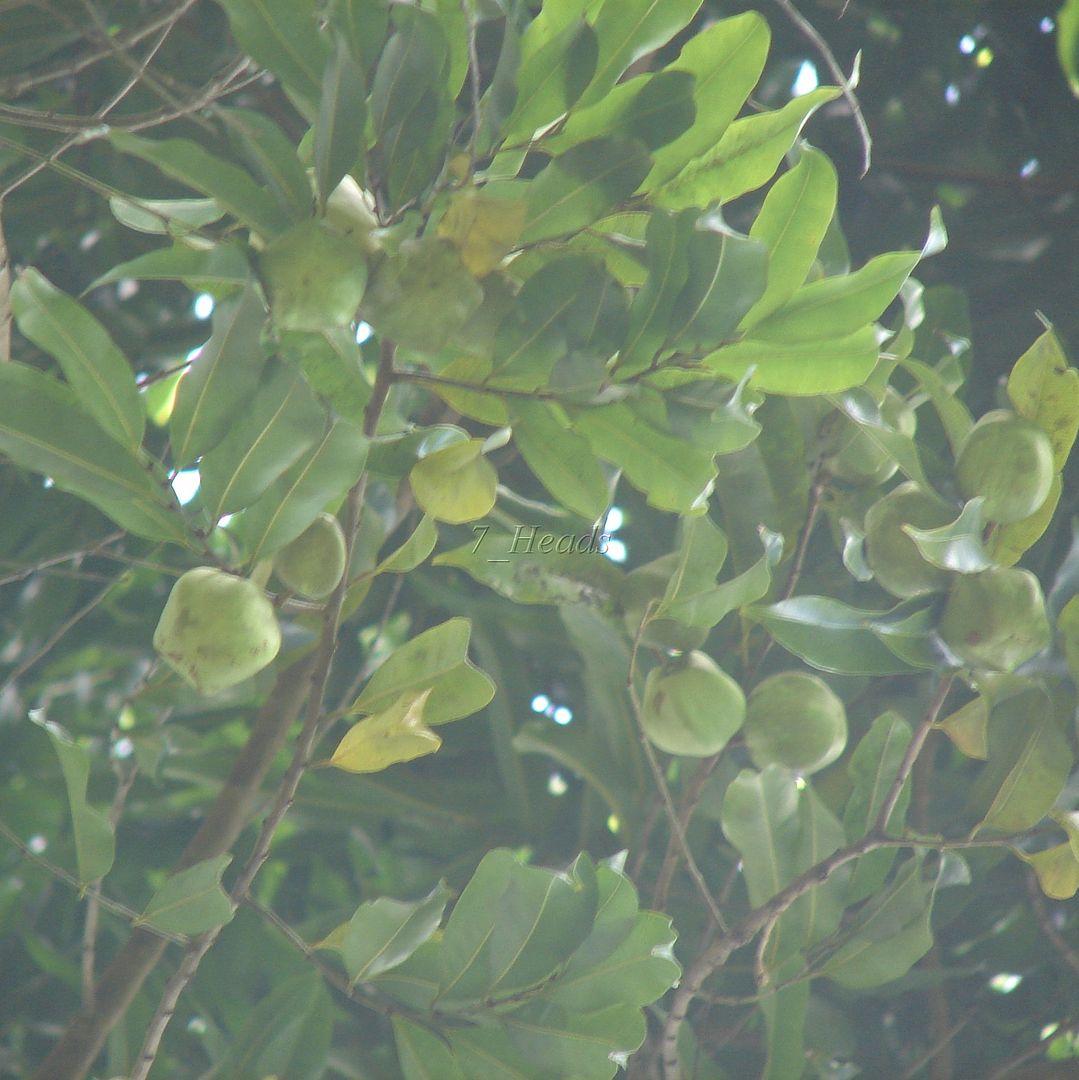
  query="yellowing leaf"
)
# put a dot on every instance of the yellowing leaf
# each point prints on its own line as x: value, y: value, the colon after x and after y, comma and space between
x: 394, y: 735
x: 1045, y: 390
x: 455, y: 484
x: 1057, y: 871
x: 482, y: 228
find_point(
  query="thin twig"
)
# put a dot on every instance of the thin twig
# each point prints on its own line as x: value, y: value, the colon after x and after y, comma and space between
x: 1045, y: 922
x: 942, y: 1043
x: 810, y: 33
x: 5, y: 294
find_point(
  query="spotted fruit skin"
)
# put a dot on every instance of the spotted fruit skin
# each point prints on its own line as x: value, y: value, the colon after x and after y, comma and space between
x: 995, y: 620
x: 314, y: 562
x: 1009, y: 462
x: 691, y: 706
x: 796, y: 720
x: 216, y: 629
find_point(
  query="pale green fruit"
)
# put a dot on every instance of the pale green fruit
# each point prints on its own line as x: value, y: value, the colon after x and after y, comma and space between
x: 1009, y: 461
x: 216, y: 629
x: 794, y: 719
x: 351, y: 211
x: 315, y: 277
x: 313, y: 563
x: 892, y: 555
x: 691, y: 706
x: 996, y: 619
x: 854, y: 456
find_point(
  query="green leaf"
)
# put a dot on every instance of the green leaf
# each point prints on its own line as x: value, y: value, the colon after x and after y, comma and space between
x: 701, y: 555
x: 560, y: 458
x: 1068, y: 626
x: 829, y: 635
x: 1030, y: 759
x: 95, y: 843
x: 413, y: 551
x: 710, y: 606
x: 191, y: 901
x: 272, y: 157
x: 483, y: 229
x: 792, y: 222
x: 231, y: 187
x: 295, y: 499
x: 1044, y: 389
x: 332, y: 362
x: 1010, y: 542
x: 455, y: 484
x: 364, y: 24
x: 342, y: 117
x: 423, y: 1054
x: 673, y: 474
x: 958, y: 545
x: 43, y: 429
x: 411, y: 63
x: 95, y: 368
x: 534, y: 566
x: 221, y: 265
x: 968, y: 728
x: 436, y: 660
x: 1068, y: 42
x: 725, y: 60
x: 1057, y: 870
x: 628, y: 29
x: 582, y: 185
x: 746, y: 157
x: 282, y: 35
x: 389, y: 737
x: 384, y: 933
x: 666, y: 243
x: 954, y: 415
x: 726, y: 276
x: 287, y: 1033
x: 221, y: 380
x: 785, y: 1013
x: 513, y: 926
x: 801, y: 369
x: 281, y: 421
x: 165, y: 216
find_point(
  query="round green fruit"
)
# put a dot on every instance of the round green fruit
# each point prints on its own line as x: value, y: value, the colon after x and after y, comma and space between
x: 313, y: 563
x: 216, y: 629
x: 691, y: 706
x: 1008, y: 461
x: 853, y: 455
x: 995, y: 620
x: 794, y: 719
x: 892, y: 555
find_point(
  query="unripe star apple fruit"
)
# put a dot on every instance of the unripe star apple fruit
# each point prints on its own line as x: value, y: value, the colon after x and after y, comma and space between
x: 313, y: 563
x: 1008, y: 461
x: 795, y: 719
x: 691, y: 706
x: 852, y: 453
x: 995, y: 620
x: 892, y: 555
x: 216, y: 629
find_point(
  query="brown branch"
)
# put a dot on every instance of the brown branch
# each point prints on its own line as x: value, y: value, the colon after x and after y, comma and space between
x: 1045, y: 922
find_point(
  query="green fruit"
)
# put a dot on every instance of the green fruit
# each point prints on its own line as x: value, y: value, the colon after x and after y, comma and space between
x: 1008, y: 461
x: 216, y: 629
x: 794, y: 719
x: 351, y: 211
x: 313, y: 563
x: 996, y: 619
x: 853, y: 455
x: 691, y: 706
x: 315, y: 277
x: 892, y: 555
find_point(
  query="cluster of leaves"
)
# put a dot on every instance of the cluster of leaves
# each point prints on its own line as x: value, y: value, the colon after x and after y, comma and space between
x: 529, y: 212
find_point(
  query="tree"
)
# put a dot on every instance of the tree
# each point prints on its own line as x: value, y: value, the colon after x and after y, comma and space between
x: 602, y: 637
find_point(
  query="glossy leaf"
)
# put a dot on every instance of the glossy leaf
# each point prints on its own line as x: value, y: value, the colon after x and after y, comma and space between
x: 221, y: 265
x: 957, y: 546
x: 282, y: 420
x: 413, y: 551
x: 701, y: 554
x: 1044, y: 389
x: 95, y: 842
x: 221, y: 379
x: 455, y: 484
x: 1068, y: 627
x: 388, y: 737
x: 43, y: 429
x: 791, y: 223
x: 1009, y: 543
x: 165, y: 216
x: 294, y: 500
x: 230, y: 186
x: 746, y: 157
x: 92, y: 364
x: 191, y: 901
x: 342, y: 116
x: 954, y: 415
x: 436, y: 660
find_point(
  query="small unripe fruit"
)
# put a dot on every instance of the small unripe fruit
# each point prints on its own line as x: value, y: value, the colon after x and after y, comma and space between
x: 795, y: 719
x: 1008, y: 461
x: 892, y: 555
x: 691, y: 706
x: 853, y: 455
x: 995, y: 620
x: 313, y: 563
x: 216, y: 629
